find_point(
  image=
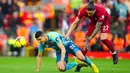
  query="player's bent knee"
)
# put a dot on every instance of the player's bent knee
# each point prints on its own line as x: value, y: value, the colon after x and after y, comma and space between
x: 61, y: 70
x: 104, y: 36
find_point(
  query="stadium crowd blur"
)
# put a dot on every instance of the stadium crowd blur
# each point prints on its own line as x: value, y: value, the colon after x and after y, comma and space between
x: 25, y: 17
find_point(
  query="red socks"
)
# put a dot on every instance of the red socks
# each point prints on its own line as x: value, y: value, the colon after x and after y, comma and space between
x: 109, y: 44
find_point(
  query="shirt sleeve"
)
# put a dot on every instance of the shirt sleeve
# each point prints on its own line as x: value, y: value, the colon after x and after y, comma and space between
x: 41, y: 47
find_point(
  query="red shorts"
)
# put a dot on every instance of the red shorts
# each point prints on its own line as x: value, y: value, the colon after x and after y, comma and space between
x: 104, y: 29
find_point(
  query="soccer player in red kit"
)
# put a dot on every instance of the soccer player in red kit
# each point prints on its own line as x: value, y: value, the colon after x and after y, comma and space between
x: 100, y: 21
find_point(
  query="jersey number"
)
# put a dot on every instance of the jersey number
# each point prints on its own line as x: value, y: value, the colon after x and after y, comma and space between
x: 72, y: 46
x: 105, y: 27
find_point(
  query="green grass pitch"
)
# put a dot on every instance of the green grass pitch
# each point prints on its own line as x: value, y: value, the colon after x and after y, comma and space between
x: 28, y: 65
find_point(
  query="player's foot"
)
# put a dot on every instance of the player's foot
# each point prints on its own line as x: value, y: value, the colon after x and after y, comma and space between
x: 80, y: 65
x: 94, y: 68
x: 115, y: 58
x: 78, y: 68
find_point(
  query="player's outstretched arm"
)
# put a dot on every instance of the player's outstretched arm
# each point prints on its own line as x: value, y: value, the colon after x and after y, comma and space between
x: 73, y: 26
x: 39, y: 60
x: 63, y: 51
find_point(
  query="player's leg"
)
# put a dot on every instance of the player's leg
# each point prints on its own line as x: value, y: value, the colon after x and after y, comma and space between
x: 89, y: 31
x: 76, y: 51
x: 78, y: 68
x: 85, y: 59
x: 67, y: 65
x: 104, y: 38
x: 109, y: 44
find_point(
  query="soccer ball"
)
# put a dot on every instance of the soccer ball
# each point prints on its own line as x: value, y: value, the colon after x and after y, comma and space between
x: 20, y: 42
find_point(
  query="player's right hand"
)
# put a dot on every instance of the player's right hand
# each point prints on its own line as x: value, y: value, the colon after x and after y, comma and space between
x: 65, y: 36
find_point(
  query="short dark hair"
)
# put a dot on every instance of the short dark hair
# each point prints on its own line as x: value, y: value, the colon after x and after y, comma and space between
x: 91, y: 5
x: 38, y: 33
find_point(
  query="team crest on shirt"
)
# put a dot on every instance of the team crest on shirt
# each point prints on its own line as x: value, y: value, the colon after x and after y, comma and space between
x: 57, y: 39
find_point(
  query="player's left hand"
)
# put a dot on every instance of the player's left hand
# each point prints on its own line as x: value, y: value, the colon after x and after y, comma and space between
x: 61, y: 65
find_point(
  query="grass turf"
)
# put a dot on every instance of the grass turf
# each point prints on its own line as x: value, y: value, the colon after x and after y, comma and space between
x: 28, y: 65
